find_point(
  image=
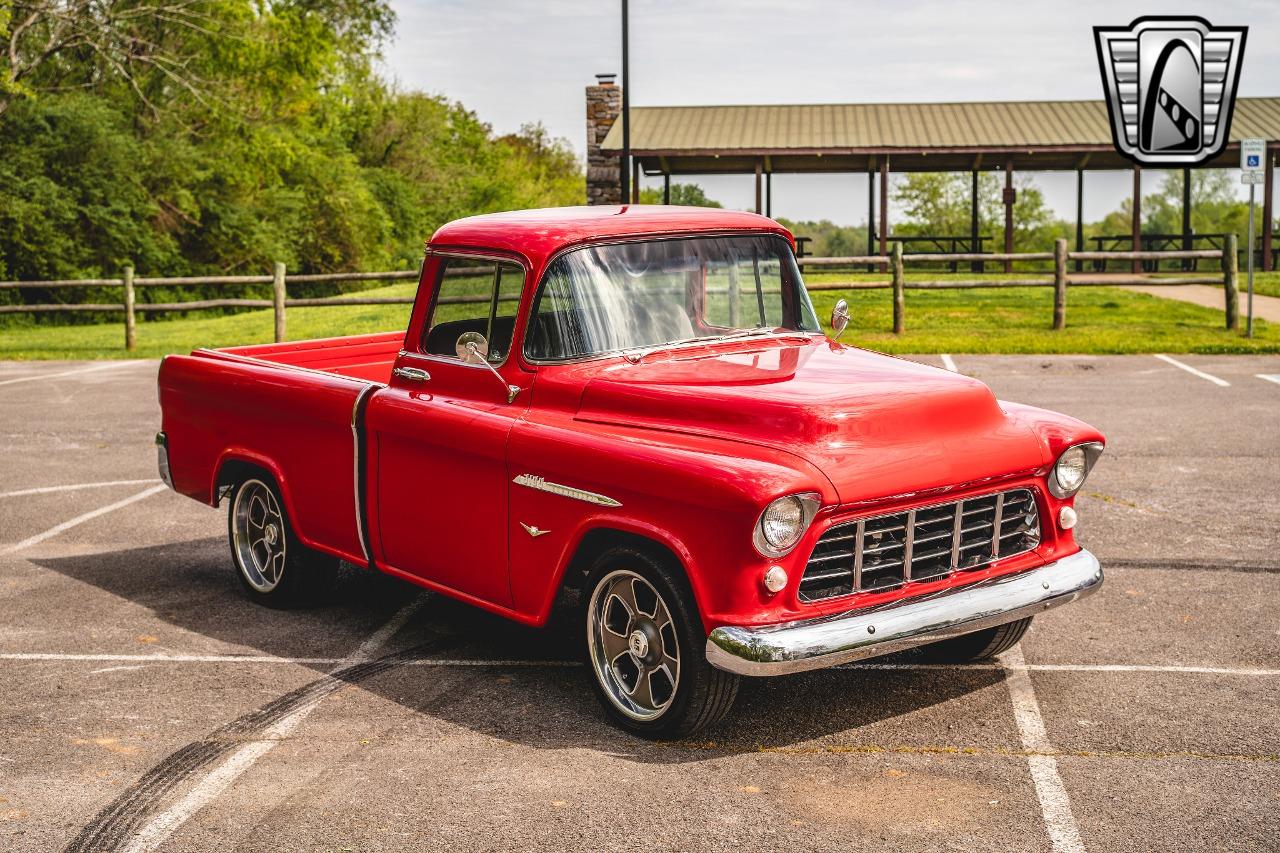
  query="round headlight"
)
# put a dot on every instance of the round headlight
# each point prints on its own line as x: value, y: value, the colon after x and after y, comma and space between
x: 1072, y: 467
x: 783, y: 522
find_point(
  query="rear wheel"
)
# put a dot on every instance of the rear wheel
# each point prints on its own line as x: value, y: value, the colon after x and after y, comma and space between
x: 273, y: 566
x: 980, y: 645
x: 647, y: 651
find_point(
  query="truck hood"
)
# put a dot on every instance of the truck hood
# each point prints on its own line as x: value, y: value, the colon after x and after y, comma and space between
x: 875, y: 425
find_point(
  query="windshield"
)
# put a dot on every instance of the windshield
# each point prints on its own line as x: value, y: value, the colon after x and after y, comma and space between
x: 637, y: 296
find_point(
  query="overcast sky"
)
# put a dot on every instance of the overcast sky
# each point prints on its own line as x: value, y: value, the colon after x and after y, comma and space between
x: 517, y: 62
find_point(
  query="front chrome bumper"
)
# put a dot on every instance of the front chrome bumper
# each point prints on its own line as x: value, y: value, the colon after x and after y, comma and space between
x: 833, y: 640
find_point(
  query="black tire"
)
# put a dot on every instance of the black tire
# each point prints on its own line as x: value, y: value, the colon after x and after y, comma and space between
x: 702, y: 694
x: 980, y: 645
x: 284, y: 573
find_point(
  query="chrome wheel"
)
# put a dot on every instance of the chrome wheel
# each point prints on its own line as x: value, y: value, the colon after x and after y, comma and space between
x: 632, y: 642
x: 258, y: 535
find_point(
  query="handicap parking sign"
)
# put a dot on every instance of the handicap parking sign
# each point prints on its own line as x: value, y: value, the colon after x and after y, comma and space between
x: 1254, y: 161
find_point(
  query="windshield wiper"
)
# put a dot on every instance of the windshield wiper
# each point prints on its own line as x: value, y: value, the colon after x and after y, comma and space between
x: 635, y: 357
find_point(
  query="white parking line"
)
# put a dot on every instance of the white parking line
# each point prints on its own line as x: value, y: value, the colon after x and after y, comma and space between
x: 79, y: 519
x: 949, y: 363
x: 1215, y: 380
x: 1270, y: 377
x: 1055, y: 805
x: 1175, y: 669
x: 77, y: 371
x: 159, y: 828
x: 74, y: 487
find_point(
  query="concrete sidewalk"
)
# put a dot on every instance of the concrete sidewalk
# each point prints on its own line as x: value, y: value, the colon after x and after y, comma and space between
x: 1264, y: 307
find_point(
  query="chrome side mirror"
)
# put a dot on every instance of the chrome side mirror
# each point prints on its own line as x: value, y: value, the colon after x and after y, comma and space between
x: 477, y: 357
x: 839, y: 318
x: 471, y: 347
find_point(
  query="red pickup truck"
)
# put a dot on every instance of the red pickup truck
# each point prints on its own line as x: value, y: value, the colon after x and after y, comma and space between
x: 638, y: 404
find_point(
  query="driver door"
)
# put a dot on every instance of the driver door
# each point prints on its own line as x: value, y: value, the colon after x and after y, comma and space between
x: 439, y: 434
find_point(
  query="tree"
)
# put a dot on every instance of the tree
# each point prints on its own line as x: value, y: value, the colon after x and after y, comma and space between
x: 940, y: 204
x: 690, y: 195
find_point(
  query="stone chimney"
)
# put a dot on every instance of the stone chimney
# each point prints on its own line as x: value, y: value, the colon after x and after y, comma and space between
x: 604, y: 105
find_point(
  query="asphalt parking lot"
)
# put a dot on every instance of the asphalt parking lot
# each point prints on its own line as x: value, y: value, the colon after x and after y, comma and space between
x: 146, y: 704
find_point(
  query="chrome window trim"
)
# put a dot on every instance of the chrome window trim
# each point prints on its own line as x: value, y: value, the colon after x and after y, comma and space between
x: 533, y: 481
x: 642, y: 238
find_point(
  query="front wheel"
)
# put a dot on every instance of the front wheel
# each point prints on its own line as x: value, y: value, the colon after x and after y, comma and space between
x: 980, y: 645
x: 273, y: 566
x: 647, y: 651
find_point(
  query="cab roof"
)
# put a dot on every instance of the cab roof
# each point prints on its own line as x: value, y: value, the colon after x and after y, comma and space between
x: 538, y: 234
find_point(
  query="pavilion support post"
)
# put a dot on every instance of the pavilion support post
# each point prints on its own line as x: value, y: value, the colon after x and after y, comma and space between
x: 768, y: 194
x: 666, y: 188
x: 976, y: 266
x: 1268, y: 214
x: 1079, y: 216
x: 759, y: 190
x: 1010, y: 197
x: 871, y: 215
x: 1137, y: 216
x: 1186, y: 217
x: 884, y: 204
x: 635, y: 181
x: 899, y: 289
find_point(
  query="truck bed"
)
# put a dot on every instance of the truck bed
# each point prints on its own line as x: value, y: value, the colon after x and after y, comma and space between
x: 288, y: 409
x: 366, y: 357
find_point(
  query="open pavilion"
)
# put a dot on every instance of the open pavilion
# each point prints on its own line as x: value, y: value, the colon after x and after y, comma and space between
x: 881, y: 139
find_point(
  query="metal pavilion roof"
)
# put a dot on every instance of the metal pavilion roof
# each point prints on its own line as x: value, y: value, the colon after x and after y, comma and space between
x: 916, y: 137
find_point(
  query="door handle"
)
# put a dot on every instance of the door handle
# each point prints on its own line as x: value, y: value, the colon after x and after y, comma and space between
x: 413, y: 374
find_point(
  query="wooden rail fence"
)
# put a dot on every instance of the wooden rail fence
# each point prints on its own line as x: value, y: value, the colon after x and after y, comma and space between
x: 1060, y: 280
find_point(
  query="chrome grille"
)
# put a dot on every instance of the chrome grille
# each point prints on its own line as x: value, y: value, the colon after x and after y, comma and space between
x: 921, y: 544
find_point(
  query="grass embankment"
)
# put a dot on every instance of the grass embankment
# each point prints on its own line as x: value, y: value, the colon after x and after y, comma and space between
x: 1007, y: 320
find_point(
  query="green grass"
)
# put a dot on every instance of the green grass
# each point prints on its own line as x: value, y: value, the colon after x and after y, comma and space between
x: 1009, y: 320
x: 1266, y: 283
x: 1017, y: 320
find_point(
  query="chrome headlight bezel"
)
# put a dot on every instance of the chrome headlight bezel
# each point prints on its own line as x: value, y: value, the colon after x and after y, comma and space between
x: 807, y: 504
x: 1088, y: 453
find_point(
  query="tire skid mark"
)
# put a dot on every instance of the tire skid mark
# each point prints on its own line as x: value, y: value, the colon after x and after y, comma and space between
x: 113, y: 826
x: 1183, y: 564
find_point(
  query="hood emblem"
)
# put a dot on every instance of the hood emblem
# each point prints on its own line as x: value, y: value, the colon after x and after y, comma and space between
x: 534, y: 530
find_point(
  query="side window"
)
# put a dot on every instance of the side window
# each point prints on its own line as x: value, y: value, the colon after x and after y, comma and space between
x: 476, y: 302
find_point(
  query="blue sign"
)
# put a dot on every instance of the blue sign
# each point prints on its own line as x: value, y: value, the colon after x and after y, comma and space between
x: 1254, y: 161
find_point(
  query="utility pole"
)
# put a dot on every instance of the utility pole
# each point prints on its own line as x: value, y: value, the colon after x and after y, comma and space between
x: 624, y: 164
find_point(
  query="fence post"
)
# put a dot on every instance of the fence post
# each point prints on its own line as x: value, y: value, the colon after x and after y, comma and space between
x: 130, y: 321
x: 1059, y: 284
x: 277, y: 296
x: 899, y: 302
x: 1230, y: 278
